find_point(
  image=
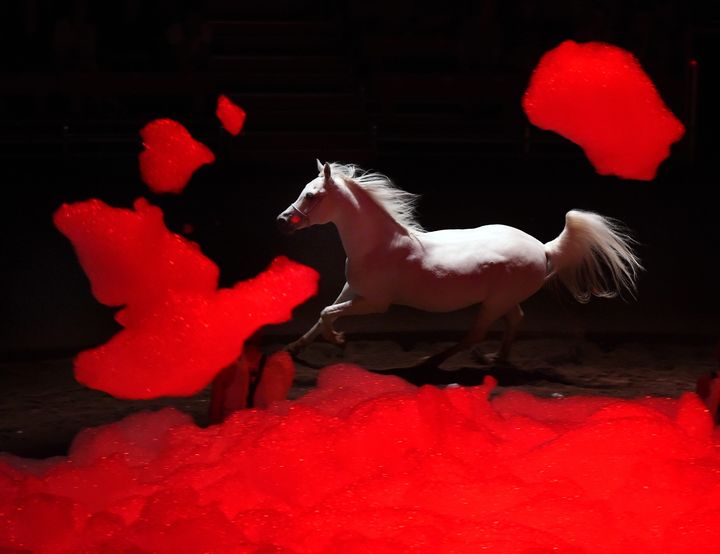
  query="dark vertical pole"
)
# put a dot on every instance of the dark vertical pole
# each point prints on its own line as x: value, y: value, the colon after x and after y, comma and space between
x: 692, y: 108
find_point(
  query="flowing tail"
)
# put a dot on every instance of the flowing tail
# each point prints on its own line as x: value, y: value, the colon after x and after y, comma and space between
x: 593, y: 256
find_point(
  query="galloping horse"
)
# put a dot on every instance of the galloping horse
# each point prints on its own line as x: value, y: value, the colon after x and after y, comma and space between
x: 392, y: 260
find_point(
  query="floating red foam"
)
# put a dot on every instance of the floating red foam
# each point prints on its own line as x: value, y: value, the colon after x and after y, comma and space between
x: 230, y: 115
x: 367, y: 463
x: 598, y: 96
x: 180, y: 330
x: 171, y: 156
x: 251, y: 381
x: 276, y: 380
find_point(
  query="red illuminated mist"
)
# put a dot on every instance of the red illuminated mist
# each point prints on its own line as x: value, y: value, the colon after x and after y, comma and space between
x: 363, y: 463
x: 371, y: 464
x: 598, y: 96
x: 171, y: 156
x: 180, y: 330
x: 230, y: 115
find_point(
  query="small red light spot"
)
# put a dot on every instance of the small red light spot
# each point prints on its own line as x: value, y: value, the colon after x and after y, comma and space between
x: 171, y: 156
x: 295, y: 219
x: 230, y: 115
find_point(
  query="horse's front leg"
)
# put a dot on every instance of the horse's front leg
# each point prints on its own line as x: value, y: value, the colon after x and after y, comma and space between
x: 355, y: 306
x: 345, y: 294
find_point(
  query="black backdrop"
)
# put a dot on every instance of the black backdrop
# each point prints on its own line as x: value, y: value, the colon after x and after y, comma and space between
x: 60, y: 144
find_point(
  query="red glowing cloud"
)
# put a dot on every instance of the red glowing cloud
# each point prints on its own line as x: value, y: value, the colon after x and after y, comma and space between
x: 230, y: 115
x: 598, y: 96
x: 179, y: 329
x: 371, y: 464
x: 171, y: 156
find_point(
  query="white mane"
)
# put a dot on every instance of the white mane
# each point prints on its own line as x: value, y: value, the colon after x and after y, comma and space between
x: 399, y: 203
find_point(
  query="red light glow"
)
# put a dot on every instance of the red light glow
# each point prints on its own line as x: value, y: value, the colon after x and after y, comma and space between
x: 363, y: 463
x: 598, y: 96
x: 180, y: 330
x: 230, y: 115
x: 367, y: 463
x: 171, y: 156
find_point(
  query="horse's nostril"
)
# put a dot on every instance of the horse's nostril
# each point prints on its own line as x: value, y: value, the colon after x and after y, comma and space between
x: 284, y: 225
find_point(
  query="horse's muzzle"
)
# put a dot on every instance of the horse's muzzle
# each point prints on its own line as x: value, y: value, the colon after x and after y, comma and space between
x: 284, y: 225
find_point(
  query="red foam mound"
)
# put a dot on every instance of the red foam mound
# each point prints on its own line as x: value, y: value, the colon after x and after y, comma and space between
x: 598, y: 96
x: 230, y: 115
x: 180, y: 330
x: 372, y: 464
x: 171, y: 156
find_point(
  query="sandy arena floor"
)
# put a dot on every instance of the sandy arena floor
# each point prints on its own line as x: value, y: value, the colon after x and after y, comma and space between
x: 43, y: 407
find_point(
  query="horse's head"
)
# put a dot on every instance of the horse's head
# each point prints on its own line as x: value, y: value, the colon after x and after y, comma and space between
x: 311, y: 207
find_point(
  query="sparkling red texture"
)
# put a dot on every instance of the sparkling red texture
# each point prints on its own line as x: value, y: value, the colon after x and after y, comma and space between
x: 367, y: 463
x: 230, y: 115
x: 598, y: 96
x: 180, y: 330
x: 251, y: 381
x: 171, y: 156
x: 276, y: 380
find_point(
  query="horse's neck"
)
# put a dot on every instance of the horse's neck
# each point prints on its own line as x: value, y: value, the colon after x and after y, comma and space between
x: 363, y: 225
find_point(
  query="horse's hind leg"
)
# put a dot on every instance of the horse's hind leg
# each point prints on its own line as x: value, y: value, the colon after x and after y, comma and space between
x: 513, y: 318
x: 487, y: 315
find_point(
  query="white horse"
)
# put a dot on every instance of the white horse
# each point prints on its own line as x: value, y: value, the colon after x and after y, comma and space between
x: 392, y: 260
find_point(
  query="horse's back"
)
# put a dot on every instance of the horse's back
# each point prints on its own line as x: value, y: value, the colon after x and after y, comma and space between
x: 487, y: 245
x: 454, y: 268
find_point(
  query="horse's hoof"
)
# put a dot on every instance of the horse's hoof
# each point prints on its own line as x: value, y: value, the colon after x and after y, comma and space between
x: 428, y: 363
x: 492, y: 358
x: 295, y: 347
x: 498, y: 360
x: 334, y: 337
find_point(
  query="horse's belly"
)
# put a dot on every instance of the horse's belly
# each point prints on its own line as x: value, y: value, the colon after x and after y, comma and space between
x: 500, y: 284
x: 442, y: 294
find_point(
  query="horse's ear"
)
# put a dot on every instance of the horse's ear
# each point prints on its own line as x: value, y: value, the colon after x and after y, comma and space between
x: 327, y: 171
x: 319, y: 165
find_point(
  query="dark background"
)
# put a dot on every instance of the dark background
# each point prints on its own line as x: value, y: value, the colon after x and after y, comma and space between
x: 426, y: 92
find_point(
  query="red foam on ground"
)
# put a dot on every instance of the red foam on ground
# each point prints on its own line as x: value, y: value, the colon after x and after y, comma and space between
x: 598, y: 96
x: 171, y: 156
x: 230, y: 115
x: 368, y: 463
x: 179, y: 329
x: 277, y: 380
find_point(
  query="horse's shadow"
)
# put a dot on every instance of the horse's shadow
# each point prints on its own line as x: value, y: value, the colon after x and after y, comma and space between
x: 506, y: 375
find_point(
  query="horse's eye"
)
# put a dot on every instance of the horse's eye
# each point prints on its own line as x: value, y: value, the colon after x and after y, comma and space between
x: 310, y: 195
